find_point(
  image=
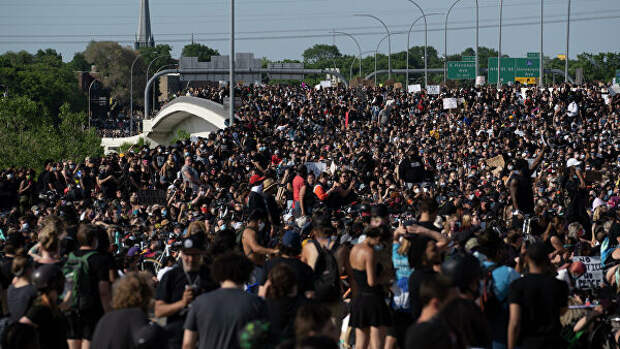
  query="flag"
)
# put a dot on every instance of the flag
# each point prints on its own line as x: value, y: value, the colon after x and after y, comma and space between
x: 346, y: 119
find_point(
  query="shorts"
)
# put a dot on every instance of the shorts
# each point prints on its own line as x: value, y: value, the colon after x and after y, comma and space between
x: 82, y: 325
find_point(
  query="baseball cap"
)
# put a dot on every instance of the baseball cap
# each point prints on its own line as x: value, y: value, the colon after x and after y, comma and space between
x: 194, y: 244
x: 255, y: 179
x: 292, y: 239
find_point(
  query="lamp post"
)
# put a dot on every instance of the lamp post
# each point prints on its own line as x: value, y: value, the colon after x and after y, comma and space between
x: 389, y: 42
x: 359, y: 48
x: 157, y: 71
x: 408, y: 36
x: 376, y: 50
x: 540, y: 59
x: 567, y: 42
x: 89, y: 113
x: 360, y: 60
x: 148, y: 68
x: 231, y: 72
x: 499, y: 55
x: 425, y: 42
x: 445, y: 39
x: 131, y: 94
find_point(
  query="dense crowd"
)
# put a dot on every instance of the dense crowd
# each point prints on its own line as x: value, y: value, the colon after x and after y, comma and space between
x: 366, y: 218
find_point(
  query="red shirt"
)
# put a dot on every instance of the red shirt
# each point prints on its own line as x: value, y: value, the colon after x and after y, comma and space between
x: 298, y: 183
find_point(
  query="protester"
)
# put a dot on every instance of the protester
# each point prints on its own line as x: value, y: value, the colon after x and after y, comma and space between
x: 295, y: 183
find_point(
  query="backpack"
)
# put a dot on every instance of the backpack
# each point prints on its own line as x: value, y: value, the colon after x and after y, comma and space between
x: 327, y: 276
x: 490, y: 305
x: 77, y: 282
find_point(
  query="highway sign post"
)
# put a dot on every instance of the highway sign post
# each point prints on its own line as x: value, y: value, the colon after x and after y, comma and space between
x: 465, y: 70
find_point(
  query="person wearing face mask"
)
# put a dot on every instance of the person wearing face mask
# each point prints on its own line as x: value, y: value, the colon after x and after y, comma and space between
x: 254, y: 240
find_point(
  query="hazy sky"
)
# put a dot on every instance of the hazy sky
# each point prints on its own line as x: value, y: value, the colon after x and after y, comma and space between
x: 284, y: 28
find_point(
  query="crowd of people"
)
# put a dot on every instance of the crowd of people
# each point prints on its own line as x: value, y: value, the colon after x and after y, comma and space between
x: 365, y: 218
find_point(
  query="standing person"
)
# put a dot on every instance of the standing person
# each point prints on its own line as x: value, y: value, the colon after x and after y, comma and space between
x: 254, y: 240
x: 575, y: 194
x: 423, y: 257
x: 215, y: 318
x: 44, y: 314
x: 21, y: 292
x: 190, y: 175
x: 369, y: 313
x: 411, y: 169
x: 520, y: 185
x: 181, y: 285
x: 299, y: 191
x: 89, y: 296
x: 128, y: 326
x: 537, y: 301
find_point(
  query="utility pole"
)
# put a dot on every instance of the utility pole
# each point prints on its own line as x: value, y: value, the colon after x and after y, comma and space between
x: 231, y: 83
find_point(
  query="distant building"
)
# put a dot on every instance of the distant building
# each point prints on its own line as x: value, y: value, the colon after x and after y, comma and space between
x: 242, y: 61
x: 144, y: 37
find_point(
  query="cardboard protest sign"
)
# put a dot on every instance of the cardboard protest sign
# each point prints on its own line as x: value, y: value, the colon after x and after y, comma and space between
x: 497, y: 161
x: 316, y: 167
x: 593, y: 277
x: 449, y: 103
x: 480, y: 80
x: 398, y: 85
x: 433, y: 89
x: 414, y: 88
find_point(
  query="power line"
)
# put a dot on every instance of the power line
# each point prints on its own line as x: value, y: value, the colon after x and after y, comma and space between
x: 326, y: 35
x: 307, y: 30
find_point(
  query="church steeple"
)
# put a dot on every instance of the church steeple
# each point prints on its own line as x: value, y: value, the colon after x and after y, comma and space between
x: 144, y: 37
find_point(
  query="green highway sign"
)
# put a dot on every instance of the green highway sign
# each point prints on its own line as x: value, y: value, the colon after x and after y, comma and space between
x: 469, y: 58
x: 465, y: 70
x: 513, y: 68
x: 533, y: 55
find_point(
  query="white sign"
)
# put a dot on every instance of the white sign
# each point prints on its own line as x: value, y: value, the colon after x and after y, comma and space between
x: 414, y: 88
x: 433, y: 89
x: 326, y: 83
x: 593, y: 277
x: 449, y: 103
x: 606, y: 98
x: 316, y: 167
x: 480, y: 80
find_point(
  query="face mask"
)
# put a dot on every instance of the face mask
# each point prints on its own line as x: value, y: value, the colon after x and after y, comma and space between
x: 9, y: 176
x: 261, y: 226
x: 510, y: 167
x: 378, y: 247
x: 164, y: 213
x: 262, y: 149
x: 223, y: 227
x: 25, y: 226
x: 186, y: 154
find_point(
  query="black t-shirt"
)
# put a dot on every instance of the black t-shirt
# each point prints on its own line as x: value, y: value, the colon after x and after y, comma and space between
x: 303, y: 272
x: 541, y: 297
x: 415, y: 281
x: 281, y: 313
x: 99, y: 270
x: 51, y: 326
x: 218, y: 316
x: 411, y: 170
x: 124, y: 329
x: 19, y: 300
x: 108, y: 188
x: 170, y: 290
x: 6, y: 276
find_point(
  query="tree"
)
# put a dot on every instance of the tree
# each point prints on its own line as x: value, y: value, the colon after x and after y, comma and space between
x: 203, y: 52
x: 79, y: 62
x: 42, y: 77
x: 320, y: 52
x: 28, y: 139
x: 113, y: 63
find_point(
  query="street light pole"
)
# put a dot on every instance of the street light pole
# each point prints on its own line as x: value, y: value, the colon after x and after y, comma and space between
x: 351, y: 66
x: 231, y: 83
x: 157, y: 71
x: 567, y: 43
x: 499, y: 58
x: 148, y: 68
x: 376, y: 50
x: 131, y: 94
x: 540, y: 59
x: 445, y: 39
x: 389, y: 42
x: 409, y: 35
x: 425, y: 42
x: 89, y: 113
x: 359, y: 48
